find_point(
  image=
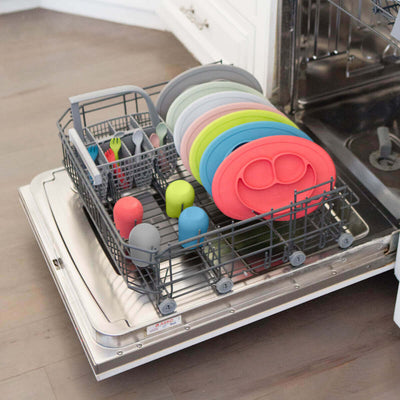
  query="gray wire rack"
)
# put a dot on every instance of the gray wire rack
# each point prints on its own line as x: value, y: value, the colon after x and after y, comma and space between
x: 328, y: 47
x: 334, y: 26
x: 229, y: 252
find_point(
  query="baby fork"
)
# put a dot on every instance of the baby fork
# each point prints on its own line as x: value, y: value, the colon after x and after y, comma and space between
x: 115, y: 145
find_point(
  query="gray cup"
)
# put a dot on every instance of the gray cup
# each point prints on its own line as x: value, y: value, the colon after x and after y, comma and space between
x: 145, y: 238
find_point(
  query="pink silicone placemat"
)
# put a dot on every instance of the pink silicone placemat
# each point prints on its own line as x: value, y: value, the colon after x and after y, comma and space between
x: 200, y: 123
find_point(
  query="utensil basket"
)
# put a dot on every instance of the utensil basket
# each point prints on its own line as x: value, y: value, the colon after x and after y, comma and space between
x: 114, y: 178
x: 230, y: 253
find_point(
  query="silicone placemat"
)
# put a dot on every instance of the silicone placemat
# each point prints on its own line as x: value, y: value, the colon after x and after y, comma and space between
x: 231, y: 139
x: 196, y: 92
x: 202, y: 74
x: 207, y: 103
x: 257, y: 164
x: 201, y: 122
x: 220, y: 125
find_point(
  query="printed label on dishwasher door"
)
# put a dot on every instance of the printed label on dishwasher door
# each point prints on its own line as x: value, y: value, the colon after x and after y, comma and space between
x: 167, y: 323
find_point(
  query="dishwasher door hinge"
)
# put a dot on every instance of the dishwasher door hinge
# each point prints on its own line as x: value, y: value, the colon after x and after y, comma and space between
x: 393, y: 244
x: 58, y: 263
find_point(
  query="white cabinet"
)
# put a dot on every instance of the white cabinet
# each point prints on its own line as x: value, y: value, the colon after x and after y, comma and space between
x: 238, y: 32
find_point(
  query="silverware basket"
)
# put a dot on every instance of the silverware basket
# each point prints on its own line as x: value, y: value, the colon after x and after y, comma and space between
x: 112, y: 179
x: 230, y: 253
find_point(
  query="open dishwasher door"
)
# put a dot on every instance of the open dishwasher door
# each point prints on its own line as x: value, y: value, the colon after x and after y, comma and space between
x: 339, y: 77
x: 120, y: 329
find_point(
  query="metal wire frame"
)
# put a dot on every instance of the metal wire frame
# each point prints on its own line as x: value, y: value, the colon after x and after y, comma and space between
x: 375, y: 15
x: 242, y: 249
x: 388, y: 8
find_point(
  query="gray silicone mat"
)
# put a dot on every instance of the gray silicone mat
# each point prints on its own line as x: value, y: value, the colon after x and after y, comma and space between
x: 195, y: 92
x: 202, y: 74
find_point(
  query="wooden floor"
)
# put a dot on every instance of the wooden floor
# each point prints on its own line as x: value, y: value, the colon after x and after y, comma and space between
x: 342, y: 346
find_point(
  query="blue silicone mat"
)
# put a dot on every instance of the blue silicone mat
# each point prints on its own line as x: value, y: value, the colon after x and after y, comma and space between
x: 232, y: 138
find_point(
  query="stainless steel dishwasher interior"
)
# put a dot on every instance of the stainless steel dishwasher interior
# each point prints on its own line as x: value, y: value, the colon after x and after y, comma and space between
x: 339, y: 76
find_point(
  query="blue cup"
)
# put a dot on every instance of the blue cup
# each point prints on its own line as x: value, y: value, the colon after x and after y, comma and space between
x: 193, y: 221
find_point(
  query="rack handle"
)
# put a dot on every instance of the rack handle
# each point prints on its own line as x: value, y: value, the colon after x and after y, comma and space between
x: 86, y: 158
x: 111, y: 92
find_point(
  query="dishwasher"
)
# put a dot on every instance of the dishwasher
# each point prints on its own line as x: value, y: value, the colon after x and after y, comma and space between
x: 337, y: 76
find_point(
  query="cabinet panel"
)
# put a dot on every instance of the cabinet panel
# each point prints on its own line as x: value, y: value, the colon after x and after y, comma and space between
x: 241, y: 33
x: 229, y: 32
x: 210, y: 31
x: 247, y: 8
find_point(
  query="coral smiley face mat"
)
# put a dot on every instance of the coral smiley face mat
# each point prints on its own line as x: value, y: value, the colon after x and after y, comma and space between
x: 263, y: 174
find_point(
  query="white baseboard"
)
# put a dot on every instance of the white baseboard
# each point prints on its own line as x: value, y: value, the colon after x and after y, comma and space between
x: 8, y: 6
x: 131, y: 12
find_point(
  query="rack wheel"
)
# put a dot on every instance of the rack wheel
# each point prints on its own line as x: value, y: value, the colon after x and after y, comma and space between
x: 224, y: 285
x: 297, y: 258
x: 345, y: 240
x: 167, y: 306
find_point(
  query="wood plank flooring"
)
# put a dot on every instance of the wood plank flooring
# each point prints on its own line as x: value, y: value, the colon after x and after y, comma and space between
x: 342, y: 346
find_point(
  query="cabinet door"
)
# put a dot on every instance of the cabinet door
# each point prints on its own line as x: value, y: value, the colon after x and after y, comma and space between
x: 236, y: 32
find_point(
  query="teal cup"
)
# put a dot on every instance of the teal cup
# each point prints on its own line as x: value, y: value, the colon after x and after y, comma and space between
x: 193, y: 221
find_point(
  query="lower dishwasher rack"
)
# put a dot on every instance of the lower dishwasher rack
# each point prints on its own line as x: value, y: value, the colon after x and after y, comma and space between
x: 120, y: 329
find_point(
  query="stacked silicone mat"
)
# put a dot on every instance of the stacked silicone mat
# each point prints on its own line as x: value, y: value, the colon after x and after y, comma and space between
x: 248, y: 155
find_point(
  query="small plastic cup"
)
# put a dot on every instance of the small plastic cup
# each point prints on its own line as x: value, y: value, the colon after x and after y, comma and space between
x: 178, y: 196
x: 146, y: 239
x: 193, y: 221
x: 127, y: 212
